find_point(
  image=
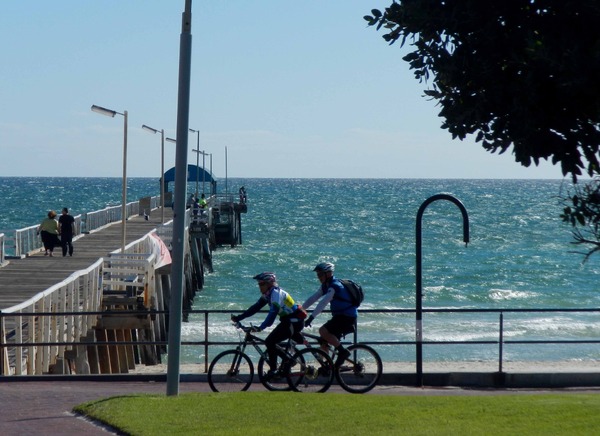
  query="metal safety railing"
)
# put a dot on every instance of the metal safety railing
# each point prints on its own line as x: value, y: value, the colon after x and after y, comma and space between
x: 10, y: 343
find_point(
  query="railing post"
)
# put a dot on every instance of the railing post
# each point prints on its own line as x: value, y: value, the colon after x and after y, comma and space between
x: 206, y: 342
x: 2, y: 351
x: 501, y: 342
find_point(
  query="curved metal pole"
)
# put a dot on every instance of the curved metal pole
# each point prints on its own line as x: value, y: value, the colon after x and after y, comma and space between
x: 419, y: 279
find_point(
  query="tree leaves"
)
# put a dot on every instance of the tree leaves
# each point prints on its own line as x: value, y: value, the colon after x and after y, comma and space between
x: 515, y: 74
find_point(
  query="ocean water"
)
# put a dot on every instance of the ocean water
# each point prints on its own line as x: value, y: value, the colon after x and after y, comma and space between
x: 519, y: 257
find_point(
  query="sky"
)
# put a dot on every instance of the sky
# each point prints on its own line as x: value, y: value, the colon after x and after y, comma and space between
x: 283, y: 88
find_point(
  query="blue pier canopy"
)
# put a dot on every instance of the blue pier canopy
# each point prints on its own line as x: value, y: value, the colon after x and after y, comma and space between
x: 192, y: 170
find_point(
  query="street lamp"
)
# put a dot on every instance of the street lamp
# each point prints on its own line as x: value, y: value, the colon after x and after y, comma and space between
x: 211, y: 173
x: 171, y: 140
x: 162, y: 169
x: 197, y: 150
x: 203, y: 170
x: 110, y: 113
x: 204, y: 154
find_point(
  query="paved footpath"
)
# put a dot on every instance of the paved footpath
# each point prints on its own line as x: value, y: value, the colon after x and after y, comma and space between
x: 45, y: 407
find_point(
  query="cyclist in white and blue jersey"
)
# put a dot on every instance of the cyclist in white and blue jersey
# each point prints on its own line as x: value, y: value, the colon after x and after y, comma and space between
x: 343, y: 310
x: 280, y: 303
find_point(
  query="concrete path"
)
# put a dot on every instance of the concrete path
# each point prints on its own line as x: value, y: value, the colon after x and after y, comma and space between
x: 45, y: 407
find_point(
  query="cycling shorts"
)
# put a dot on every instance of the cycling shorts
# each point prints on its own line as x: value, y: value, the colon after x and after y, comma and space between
x: 340, y: 325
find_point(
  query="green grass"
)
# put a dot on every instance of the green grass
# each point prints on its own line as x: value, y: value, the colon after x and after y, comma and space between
x: 276, y: 413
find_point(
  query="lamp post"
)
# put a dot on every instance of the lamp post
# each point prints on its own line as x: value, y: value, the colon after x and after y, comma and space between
x: 162, y: 169
x: 211, y: 173
x: 203, y: 170
x: 197, y: 150
x: 181, y: 153
x: 198, y: 153
x: 111, y: 113
x: 174, y: 142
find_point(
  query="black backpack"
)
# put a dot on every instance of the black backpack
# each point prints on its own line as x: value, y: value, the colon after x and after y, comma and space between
x: 357, y: 295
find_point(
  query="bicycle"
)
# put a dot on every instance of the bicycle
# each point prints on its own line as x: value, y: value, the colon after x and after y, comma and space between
x: 361, y: 370
x: 306, y: 370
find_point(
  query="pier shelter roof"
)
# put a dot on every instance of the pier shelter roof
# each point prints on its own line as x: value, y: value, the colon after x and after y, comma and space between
x: 192, y: 170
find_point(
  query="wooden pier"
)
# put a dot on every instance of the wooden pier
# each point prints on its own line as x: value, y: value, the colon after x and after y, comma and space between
x: 73, y: 314
x: 21, y: 279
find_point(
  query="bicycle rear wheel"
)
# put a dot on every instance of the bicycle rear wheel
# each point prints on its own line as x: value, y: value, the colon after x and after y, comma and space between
x: 230, y: 371
x: 361, y: 371
x: 310, y: 370
x: 279, y: 381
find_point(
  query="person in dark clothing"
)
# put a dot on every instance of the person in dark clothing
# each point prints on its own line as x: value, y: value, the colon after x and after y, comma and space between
x: 66, y: 228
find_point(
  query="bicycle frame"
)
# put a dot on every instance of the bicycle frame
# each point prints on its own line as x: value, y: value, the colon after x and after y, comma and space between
x: 286, y: 351
x: 305, y: 370
x: 352, y: 374
x: 254, y: 341
x: 319, y: 340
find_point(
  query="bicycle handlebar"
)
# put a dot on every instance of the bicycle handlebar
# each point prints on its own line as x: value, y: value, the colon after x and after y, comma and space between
x: 246, y: 329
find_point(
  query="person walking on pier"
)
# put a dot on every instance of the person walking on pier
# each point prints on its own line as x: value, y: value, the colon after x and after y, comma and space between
x: 49, y: 231
x: 291, y: 316
x: 66, y: 228
x: 243, y: 195
x: 344, y: 312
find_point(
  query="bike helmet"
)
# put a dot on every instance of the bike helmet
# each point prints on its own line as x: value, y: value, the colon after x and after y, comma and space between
x: 324, y: 267
x: 265, y: 277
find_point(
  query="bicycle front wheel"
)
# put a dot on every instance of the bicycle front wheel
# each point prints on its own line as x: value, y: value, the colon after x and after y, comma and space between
x: 360, y: 372
x: 230, y: 371
x: 310, y: 370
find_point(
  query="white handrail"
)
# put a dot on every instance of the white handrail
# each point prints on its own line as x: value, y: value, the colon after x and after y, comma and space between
x: 80, y: 292
x: 26, y: 240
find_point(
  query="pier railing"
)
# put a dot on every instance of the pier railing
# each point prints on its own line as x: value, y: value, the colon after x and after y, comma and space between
x: 20, y: 242
x: 67, y: 309
x: 210, y: 343
x: 56, y: 325
x: 2, y: 238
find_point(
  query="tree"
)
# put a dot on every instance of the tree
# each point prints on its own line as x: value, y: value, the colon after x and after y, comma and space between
x: 524, y: 73
x: 582, y: 211
x: 520, y: 73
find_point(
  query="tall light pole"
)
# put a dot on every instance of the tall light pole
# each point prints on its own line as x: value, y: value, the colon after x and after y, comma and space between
x: 181, y: 153
x: 203, y: 170
x: 197, y: 150
x: 211, y: 173
x: 112, y: 113
x: 198, y: 153
x: 174, y: 142
x: 162, y: 169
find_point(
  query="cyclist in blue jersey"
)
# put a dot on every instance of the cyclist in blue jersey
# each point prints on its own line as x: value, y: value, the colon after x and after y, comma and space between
x: 291, y: 316
x: 344, y: 312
